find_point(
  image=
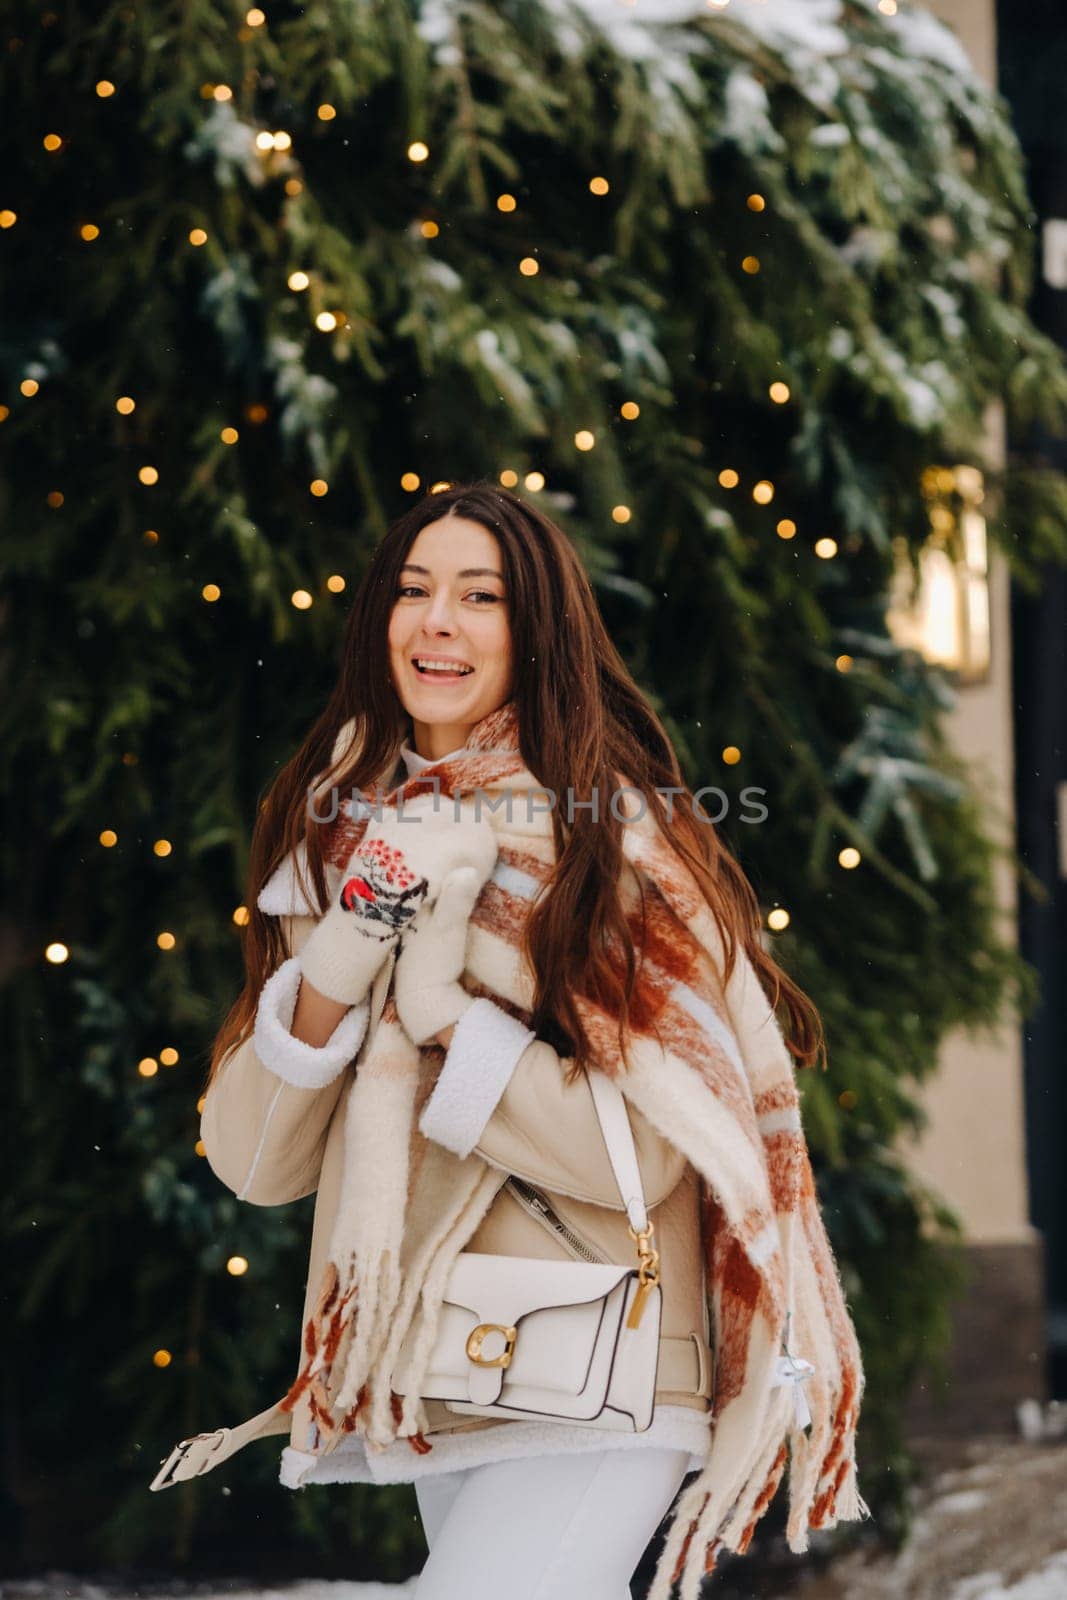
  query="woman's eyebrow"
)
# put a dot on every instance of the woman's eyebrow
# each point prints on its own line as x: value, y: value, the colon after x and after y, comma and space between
x: 468, y: 572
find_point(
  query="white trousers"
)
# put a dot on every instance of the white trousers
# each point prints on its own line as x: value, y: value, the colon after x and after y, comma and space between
x: 562, y: 1527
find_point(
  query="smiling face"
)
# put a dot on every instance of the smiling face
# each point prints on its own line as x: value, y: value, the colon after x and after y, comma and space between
x: 450, y: 607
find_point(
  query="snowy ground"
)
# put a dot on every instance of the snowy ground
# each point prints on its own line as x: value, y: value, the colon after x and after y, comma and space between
x: 993, y: 1526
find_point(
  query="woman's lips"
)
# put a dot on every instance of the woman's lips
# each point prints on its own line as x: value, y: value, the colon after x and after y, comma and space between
x: 435, y: 676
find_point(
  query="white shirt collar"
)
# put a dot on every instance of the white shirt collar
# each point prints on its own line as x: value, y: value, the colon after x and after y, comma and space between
x: 415, y: 763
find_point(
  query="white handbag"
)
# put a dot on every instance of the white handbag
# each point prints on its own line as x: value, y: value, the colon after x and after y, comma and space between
x: 569, y: 1341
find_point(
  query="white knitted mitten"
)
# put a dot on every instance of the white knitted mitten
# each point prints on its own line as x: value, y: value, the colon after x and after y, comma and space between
x: 398, y: 866
x: 433, y: 955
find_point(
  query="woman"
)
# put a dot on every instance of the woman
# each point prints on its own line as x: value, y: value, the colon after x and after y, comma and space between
x: 418, y: 1010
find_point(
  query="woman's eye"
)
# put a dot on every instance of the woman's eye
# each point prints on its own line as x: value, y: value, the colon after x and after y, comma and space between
x: 474, y: 594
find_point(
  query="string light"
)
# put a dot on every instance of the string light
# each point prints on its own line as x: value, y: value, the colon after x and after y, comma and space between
x: 29, y: 387
x: 161, y: 1358
x: 105, y: 88
x: 529, y: 267
x: 169, y: 1056
x: 148, y: 475
x: 221, y: 92
x: 825, y: 548
x: 756, y: 202
x: 509, y: 479
x: 55, y: 499
x: 729, y: 478
x: 534, y: 481
x: 599, y: 186
x: 584, y: 439
x: 326, y: 322
x: 109, y: 838
x: 319, y: 487
x: 210, y: 592
x: 621, y: 513
x: 844, y: 663
x: 410, y: 482
x: 429, y: 229
x: 56, y: 953
x: 335, y: 583
x: 124, y: 405
x: 162, y: 847
x: 229, y: 435
x: 197, y: 236
x: 242, y: 916
x: 506, y: 202
x: 786, y: 529
x: 731, y: 755
x: 630, y: 410
x: 51, y: 141
x: 166, y: 941
x: 778, y: 919
x: 849, y: 856
x: 8, y: 218
x: 418, y: 151
x: 148, y: 1066
x: 255, y: 17
x: 779, y: 393
x: 763, y: 492
x: 750, y: 264
x: 236, y: 1266
x: 301, y: 599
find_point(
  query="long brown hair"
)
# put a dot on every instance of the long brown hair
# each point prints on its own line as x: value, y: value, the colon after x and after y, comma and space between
x: 582, y: 721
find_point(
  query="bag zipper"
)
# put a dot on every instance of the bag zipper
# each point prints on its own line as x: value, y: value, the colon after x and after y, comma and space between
x: 537, y: 1206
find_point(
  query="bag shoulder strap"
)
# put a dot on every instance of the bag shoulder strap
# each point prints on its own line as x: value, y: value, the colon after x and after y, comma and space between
x: 614, y: 1119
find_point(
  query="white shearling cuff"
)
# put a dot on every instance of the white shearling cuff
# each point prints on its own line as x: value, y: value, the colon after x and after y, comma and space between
x: 482, y: 1054
x: 303, y: 1065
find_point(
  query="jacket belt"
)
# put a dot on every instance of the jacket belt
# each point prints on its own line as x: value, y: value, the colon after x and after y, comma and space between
x: 684, y: 1368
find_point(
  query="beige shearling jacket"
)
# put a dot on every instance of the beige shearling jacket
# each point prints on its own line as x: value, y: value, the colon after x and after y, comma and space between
x: 272, y: 1140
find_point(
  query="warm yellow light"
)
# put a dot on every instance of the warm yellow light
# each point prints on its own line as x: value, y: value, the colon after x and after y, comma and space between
x: 301, y: 599
x: 51, y: 141
x: 55, y: 498
x: 825, y: 548
x: 162, y: 1358
x: 779, y: 393
x: 236, y: 1265
x: 242, y: 916
x: 844, y: 663
x: 105, y: 88
x: 750, y: 264
x: 326, y: 112
x: 534, y: 481
x: 529, y: 267
x: 89, y: 231
x: 319, y: 487
x: 763, y: 492
x: 509, y: 478
x: 149, y: 475
x: 29, y: 387
x: 630, y: 410
x: 198, y: 1147
x: 5, y: 412
x: 283, y: 140
x: 849, y: 856
x: 197, y: 236
x: 222, y: 91
x: 731, y: 755
x: 621, y: 513
x: 148, y: 1067
x: 729, y: 478
x: 778, y: 919
x: 150, y: 536
x: 56, y: 953
x: 888, y: 8
x: 786, y: 529
x: 8, y: 219
x: 264, y: 140
x: 210, y: 592
x: 169, y: 1056
x: 506, y: 202
x: 756, y: 202
x: 294, y: 186
x: 166, y: 941
x: 335, y: 583
x: 200, y: 1103
x: 584, y: 439
x: 109, y: 838
x: 229, y: 435
x: 418, y: 151
x: 257, y: 412
x: 599, y: 186
x: 255, y: 17
x: 125, y: 404
x: 162, y: 847
x: 429, y: 229
x: 410, y: 482
x: 325, y: 322
x: 298, y: 281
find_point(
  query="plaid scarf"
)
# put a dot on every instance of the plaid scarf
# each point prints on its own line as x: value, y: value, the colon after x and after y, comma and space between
x: 718, y: 1082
